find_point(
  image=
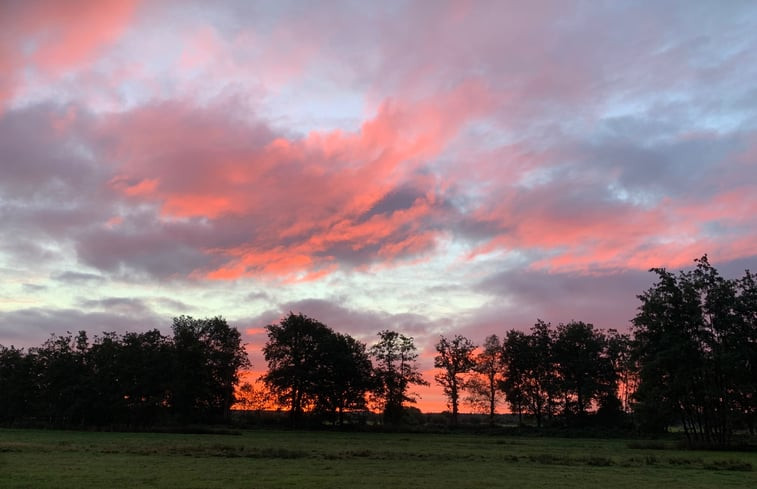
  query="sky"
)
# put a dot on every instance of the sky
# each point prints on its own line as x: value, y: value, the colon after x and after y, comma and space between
x: 430, y: 167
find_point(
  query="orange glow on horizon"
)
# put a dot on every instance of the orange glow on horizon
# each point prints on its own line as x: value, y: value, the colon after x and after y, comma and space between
x: 430, y: 399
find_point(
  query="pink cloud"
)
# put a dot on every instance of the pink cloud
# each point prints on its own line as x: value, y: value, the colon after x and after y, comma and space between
x: 202, y: 48
x: 576, y: 227
x: 72, y: 33
x: 144, y: 187
x: 305, y: 199
x: 55, y: 37
x: 269, y: 55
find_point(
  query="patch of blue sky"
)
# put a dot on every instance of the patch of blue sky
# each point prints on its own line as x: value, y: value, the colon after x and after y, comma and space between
x: 643, y: 198
x: 539, y: 177
x: 487, y: 134
x: 316, y: 105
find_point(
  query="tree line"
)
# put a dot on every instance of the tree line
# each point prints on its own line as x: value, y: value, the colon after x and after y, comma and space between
x: 134, y: 380
x: 690, y: 359
x: 549, y: 372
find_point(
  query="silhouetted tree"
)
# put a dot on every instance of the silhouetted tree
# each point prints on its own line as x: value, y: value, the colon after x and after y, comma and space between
x: 62, y: 380
x: 207, y: 355
x: 743, y: 345
x: 106, y: 399
x: 294, y: 352
x: 310, y: 367
x: 146, y: 368
x: 395, y: 370
x: 484, y: 387
x: 695, y: 344
x: 18, y: 384
x: 346, y: 376
x: 455, y: 358
x: 584, y: 369
x: 530, y: 384
x: 130, y: 380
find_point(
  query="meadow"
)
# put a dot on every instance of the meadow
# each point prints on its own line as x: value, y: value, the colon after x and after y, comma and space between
x: 278, y: 459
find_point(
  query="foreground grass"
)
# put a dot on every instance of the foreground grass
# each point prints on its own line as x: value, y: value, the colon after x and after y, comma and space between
x: 275, y: 459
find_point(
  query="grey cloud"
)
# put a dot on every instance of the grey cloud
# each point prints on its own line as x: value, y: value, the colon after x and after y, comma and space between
x: 32, y: 288
x: 22, y: 249
x: 607, y: 299
x: 179, y: 307
x: 686, y: 75
x: 51, y: 189
x: 602, y: 299
x: 32, y: 326
x: 735, y: 268
x: 401, y: 198
x: 118, y: 305
x: 149, y: 252
x: 676, y: 166
x: 40, y: 164
x: 73, y: 277
x: 258, y: 296
x: 364, y: 325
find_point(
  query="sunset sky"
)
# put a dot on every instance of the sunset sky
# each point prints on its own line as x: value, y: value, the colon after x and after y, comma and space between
x: 431, y: 167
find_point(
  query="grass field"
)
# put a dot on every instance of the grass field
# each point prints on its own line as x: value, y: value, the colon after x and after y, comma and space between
x: 278, y: 459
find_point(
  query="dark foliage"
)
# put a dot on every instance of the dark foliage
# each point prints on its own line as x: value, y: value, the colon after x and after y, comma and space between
x: 484, y: 386
x: 312, y: 368
x: 455, y: 358
x: 566, y: 372
x: 395, y: 372
x: 134, y: 381
x: 696, y: 347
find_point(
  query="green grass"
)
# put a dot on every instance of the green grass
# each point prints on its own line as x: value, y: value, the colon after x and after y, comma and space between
x: 278, y: 459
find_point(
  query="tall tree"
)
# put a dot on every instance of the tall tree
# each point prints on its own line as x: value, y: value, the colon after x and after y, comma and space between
x: 208, y: 355
x: 693, y: 342
x: 585, y: 372
x: 107, y: 405
x: 226, y: 357
x: 312, y: 368
x: 744, y: 347
x: 295, y: 356
x: 455, y: 358
x: 346, y: 376
x: 530, y: 385
x: 17, y: 384
x: 484, y: 387
x: 395, y: 370
x: 146, y: 368
x: 64, y: 394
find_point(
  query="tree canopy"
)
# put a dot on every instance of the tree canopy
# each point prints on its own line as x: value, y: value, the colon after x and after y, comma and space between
x: 130, y: 380
x: 395, y: 371
x: 696, y: 347
x: 455, y: 358
x: 312, y: 368
x: 485, y: 385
